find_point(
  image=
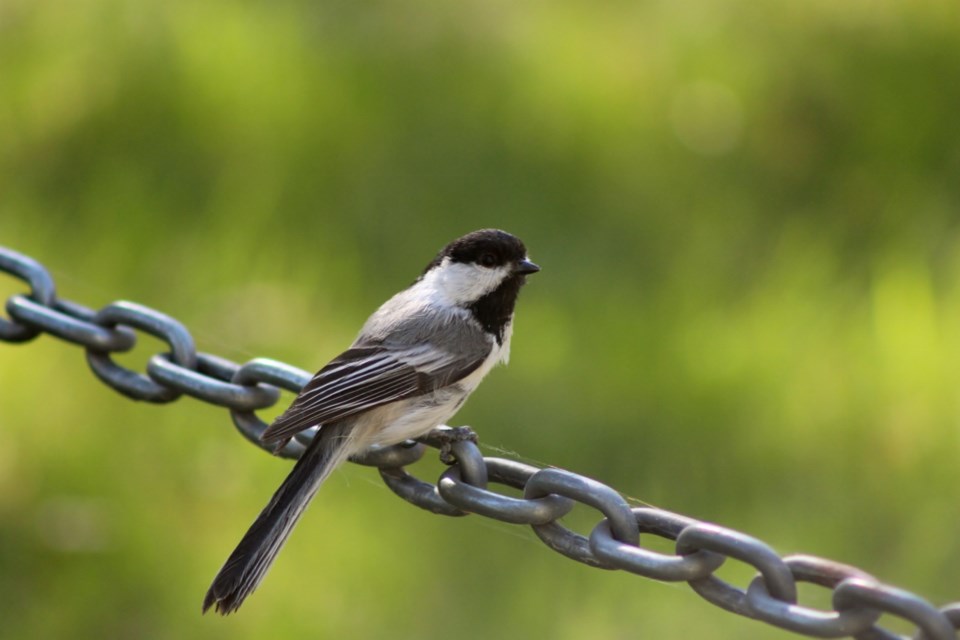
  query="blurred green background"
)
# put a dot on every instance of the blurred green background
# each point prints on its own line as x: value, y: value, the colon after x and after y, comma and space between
x: 748, y: 219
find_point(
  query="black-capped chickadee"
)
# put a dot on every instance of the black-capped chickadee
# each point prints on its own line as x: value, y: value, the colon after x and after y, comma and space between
x: 415, y: 362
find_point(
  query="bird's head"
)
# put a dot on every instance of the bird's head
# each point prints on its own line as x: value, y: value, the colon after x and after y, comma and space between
x: 477, y: 264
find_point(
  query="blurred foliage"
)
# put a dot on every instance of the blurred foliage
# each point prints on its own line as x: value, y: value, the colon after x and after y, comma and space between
x: 748, y: 219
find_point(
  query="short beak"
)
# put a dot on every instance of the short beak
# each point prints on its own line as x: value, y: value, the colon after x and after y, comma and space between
x: 525, y: 267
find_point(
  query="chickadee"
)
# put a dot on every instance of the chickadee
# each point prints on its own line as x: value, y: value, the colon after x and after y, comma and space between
x: 415, y: 362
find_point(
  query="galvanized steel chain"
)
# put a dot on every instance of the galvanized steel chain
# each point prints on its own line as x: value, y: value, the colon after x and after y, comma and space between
x: 858, y: 599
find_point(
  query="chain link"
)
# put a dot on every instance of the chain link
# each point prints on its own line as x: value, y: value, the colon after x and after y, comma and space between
x: 615, y: 543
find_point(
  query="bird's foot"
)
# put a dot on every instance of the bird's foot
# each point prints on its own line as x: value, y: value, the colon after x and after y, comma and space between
x: 446, y: 437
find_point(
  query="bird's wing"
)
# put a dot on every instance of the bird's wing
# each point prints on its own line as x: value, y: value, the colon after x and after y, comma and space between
x: 362, y: 378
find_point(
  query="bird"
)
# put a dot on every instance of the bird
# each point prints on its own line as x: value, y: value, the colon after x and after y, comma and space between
x: 414, y: 363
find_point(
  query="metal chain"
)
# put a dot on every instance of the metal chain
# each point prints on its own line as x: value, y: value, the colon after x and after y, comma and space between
x: 858, y: 599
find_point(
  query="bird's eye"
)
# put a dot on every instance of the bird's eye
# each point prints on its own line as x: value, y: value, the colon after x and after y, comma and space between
x: 488, y: 260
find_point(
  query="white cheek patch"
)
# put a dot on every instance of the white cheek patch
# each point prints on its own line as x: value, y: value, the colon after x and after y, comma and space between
x: 461, y: 283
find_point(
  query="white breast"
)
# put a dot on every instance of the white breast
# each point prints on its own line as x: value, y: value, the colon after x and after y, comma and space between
x: 499, y: 353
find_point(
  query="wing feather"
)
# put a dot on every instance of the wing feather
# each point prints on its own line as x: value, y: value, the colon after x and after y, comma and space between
x: 362, y: 378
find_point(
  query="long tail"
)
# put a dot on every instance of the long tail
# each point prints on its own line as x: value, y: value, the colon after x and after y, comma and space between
x: 249, y: 562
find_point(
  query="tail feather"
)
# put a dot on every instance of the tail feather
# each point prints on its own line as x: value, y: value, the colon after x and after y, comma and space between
x: 249, y: 562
